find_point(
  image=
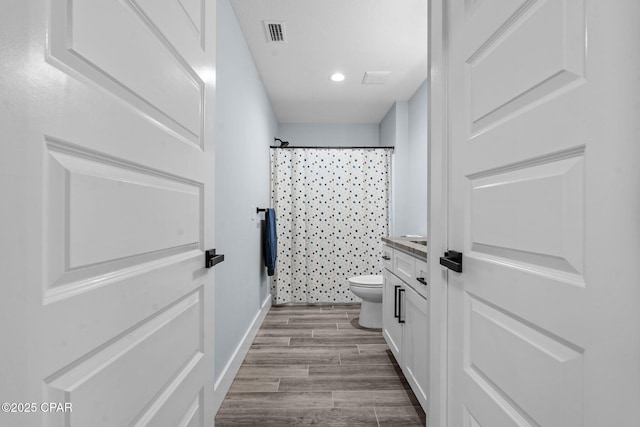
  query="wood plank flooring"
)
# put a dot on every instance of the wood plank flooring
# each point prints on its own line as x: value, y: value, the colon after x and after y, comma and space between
x: 314, y: 365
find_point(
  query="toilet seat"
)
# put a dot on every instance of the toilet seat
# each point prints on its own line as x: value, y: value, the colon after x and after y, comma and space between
x: 371, y: 280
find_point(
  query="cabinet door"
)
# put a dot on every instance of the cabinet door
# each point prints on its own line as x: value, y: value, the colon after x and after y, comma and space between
x: 416, y: 343
x: 391, y: 328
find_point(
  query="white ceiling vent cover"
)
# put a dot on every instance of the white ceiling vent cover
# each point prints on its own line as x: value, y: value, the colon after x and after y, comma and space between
x: 275, y: 31
x: 375, y: 77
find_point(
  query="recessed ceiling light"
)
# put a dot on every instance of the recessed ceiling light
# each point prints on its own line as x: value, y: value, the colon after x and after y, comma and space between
x: 337, y: 77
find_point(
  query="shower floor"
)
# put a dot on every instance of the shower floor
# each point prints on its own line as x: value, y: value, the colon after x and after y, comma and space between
x: 314, y: 365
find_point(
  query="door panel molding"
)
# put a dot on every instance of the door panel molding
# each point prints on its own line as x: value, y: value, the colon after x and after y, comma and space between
x: 544, y: 42
x: 76, y: 176
x: 548, y: 195
x: 75, y: 42
x: 194, y: 11
x: 82, y: 381
x: 540, y: 362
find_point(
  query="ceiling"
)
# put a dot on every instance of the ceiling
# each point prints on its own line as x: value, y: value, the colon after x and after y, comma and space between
x: 325, y: 36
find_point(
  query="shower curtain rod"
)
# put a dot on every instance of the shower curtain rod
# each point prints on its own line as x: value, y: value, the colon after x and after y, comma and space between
x: 334, y: 148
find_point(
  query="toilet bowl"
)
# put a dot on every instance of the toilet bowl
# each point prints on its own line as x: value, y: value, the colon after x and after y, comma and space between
x: 369, y: 288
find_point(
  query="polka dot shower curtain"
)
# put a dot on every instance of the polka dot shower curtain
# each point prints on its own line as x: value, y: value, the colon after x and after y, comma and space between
x: 332, y: 208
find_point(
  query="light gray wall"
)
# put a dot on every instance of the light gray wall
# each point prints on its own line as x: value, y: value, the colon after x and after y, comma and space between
x: 388, y: 127
x: 329, y: 135
x: 245, y: 126
x: 405, y: 127
x: 394, y: 130
x: 418, y: 160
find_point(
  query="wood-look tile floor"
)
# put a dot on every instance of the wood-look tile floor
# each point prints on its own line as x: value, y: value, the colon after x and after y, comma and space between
x: 314, y: 365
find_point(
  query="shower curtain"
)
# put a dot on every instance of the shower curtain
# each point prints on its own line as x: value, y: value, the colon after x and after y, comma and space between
x: 332, y: 208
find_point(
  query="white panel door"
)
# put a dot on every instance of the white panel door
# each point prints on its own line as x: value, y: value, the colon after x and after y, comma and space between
x: 544, y: 325
x: 107, y: 186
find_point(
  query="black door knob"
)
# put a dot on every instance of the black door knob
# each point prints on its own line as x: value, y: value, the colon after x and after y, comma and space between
x: 211, y: 258
x: 452, y: 260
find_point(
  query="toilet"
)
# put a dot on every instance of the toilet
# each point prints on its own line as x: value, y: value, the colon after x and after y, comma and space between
x: 369, y: 288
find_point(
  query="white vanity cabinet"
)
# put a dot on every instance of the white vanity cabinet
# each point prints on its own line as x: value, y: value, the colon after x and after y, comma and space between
x: 405, y: 318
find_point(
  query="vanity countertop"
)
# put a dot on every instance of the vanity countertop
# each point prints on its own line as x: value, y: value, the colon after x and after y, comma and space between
x: 409, y: 245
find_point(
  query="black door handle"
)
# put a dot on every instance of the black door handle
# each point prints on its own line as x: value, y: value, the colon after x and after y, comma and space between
x: 211, y: 258
x: 400, y: 319
x: 452, y: 260
x: 421, y: 280
x: 396, y: 313
x: 386, y: 258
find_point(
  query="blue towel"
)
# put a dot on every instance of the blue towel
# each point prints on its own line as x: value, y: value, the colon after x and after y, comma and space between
x: 270, y: 241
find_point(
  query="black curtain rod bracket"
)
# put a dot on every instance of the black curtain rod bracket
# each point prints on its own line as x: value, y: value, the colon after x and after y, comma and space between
x: 282, y: 143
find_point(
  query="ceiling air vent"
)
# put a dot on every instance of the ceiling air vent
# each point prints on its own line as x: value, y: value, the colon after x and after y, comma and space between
x: 375, y: 77
x: 275, y: 31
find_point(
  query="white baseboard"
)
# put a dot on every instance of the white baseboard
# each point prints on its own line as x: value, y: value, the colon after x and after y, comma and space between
x: 229, y: 372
